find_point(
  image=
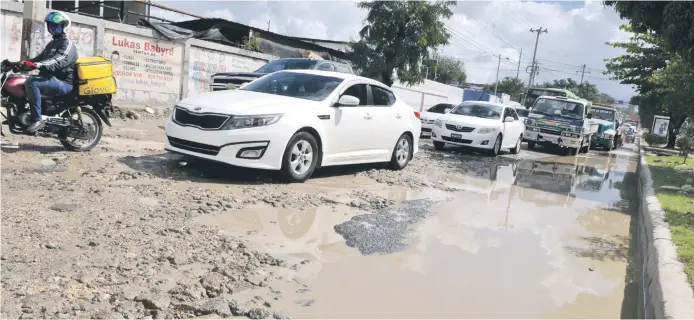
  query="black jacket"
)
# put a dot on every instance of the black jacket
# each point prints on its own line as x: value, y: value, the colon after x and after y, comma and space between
x: 58, y: 59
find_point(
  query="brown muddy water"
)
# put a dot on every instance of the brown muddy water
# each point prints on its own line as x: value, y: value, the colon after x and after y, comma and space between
x: 546, y: 238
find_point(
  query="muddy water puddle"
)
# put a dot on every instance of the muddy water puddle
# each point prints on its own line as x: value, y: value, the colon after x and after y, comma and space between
x: 533, y: 239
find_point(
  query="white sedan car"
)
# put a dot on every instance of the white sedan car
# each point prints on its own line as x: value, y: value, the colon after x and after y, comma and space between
x: 297, y: 121
x: 482, y: 125
x: 430, y: 115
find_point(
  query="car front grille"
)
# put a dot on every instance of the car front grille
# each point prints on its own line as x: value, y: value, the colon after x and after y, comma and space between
x: 548, y: 131
x: 456, y: 140
x: 203, y: 121
x: 461, y: 129
x: 194, y: 146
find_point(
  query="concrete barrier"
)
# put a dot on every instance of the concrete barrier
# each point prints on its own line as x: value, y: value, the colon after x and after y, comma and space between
x: 667, y: 291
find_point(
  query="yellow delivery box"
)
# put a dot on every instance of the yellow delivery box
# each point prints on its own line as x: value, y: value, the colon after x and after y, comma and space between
x: 95, y: 76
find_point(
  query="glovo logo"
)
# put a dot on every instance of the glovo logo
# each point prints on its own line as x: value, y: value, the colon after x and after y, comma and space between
x: 98, y: 90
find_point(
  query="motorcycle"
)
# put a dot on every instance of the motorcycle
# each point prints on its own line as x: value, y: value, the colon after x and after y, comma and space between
x: 76, y: 121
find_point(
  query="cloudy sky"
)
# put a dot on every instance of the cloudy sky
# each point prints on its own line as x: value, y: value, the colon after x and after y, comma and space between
x: 577, y: 32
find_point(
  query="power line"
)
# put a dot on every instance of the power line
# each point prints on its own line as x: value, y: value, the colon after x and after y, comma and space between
x: 490, y: 29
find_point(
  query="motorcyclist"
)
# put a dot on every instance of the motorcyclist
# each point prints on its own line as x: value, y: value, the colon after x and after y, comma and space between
x: 56, y: 64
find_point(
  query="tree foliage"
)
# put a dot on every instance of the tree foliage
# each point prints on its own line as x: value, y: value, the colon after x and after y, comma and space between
x: 446, y: 70
x: 397, y: 37
x: 672, y: 21
x: 511, y: 86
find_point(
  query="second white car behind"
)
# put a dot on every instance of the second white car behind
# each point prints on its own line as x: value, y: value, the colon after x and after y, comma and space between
x: 482, y: 125
x: 295, y: 122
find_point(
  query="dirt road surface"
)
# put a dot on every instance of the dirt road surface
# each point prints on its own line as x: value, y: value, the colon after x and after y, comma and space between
x: 128, y: 230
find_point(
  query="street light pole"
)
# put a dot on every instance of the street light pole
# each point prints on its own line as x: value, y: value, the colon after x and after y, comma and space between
x: 519, y: 60
x: 496, y: 83
x: 532, y: 70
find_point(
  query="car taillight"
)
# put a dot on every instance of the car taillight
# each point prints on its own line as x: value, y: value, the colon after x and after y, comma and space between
x: 416, y: 114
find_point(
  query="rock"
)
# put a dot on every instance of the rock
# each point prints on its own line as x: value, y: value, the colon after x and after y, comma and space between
x: 687, y: 188
x: 214, y: 283
x: 149, y: 110
x: 279, y: 316
x: 64, y: 207
x: 236, y: 309
x: 93, y: 244
x: 218, y: 306
x: 154, y: 302
x: 689, y: 181
x: 132, y: 115
x: 258, y: 313
x: 50, y: 246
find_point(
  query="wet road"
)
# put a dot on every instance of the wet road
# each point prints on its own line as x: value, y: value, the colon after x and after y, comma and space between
x: 542, y: 237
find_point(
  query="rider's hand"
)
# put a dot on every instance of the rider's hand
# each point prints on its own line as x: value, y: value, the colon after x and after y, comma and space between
x: 28, y: 65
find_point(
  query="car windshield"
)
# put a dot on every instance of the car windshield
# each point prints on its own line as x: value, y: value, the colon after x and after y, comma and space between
x: 522, y: 112
x: 296, y: 85
x: 562, y: 108
x: 287, y: 64
x: 478, y: 110
x: 602, y: 114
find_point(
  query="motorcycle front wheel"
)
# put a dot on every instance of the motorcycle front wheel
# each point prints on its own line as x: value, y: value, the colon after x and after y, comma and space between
x: 85, y: 132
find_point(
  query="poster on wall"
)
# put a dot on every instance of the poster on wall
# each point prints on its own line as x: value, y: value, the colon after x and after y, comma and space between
x: 660, y: 126
x: 147, y: 70
x: 11, y: 35
x: 204, y: 63
x: 82, y: 36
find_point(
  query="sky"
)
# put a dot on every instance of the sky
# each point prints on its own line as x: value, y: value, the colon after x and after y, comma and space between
x: 480, y: 32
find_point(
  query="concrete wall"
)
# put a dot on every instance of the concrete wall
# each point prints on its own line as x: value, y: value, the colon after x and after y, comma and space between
x: 423, y: 96
x: 667, y: 292
x: 149, y: 70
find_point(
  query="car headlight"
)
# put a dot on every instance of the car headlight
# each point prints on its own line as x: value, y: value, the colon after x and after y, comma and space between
x: 240, y: 122
x: 528, y: 121
x: 438, y: 124
x: 486, y: 130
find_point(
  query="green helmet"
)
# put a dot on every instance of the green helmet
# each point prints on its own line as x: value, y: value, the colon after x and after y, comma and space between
x: 57, y: 23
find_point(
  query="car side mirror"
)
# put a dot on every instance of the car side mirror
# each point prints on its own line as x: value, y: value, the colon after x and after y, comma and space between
x: 447, y: 111
x: 509, y: 119
x: 348, y: 101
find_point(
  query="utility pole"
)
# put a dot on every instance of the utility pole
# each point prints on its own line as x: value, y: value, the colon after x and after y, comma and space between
x: 496, y: 83
x: 519, y: 60
x: 537, y: 39
x: 583, y: 72
x: 268, y: 26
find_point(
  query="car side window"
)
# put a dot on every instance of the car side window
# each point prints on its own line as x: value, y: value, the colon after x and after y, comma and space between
x: 440, y: 108
x: 358, y: 91
x: 382, y: 97
x: 514, y: 114
x: 326, y: 66
x: 343, y: 69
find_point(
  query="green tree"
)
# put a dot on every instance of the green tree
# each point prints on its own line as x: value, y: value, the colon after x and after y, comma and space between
x: 397, y: 37
x: 511, y: 86
x: 606, y: 98
x: 447, y: 70
x: 673, y: 21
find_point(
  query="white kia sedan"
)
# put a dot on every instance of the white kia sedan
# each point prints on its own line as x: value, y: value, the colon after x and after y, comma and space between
x: 482, y: 125
x: 297, y: 121
x: 430, y: 115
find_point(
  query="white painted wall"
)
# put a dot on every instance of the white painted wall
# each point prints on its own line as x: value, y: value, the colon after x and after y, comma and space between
x: 423, y: 96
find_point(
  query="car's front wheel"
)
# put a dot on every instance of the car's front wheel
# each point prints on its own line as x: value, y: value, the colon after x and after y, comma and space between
x: 517, y: 148
x: 402, y: 153
x: 300, y: 157
x: 494, y: 151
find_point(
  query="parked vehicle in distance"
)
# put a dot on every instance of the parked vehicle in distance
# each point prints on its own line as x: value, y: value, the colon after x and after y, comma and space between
x: 234, y: 80
x: 562, y: 122
x: 482, y: 125
x: 607, y: 136
x: 295, y: 122
x: 430, y: 115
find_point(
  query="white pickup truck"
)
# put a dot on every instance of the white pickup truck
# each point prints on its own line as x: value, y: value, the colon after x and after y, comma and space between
x: 562, y: 122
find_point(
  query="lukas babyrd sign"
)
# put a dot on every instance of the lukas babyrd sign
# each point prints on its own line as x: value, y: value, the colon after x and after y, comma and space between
x: 144, y: 64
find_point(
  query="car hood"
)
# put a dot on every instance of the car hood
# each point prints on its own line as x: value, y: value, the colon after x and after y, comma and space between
x: 470, y: 121
x: 238, y: 74
x: 244, y: 102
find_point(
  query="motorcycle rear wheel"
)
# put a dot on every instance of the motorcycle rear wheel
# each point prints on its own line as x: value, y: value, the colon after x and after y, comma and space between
x: 70, y: 143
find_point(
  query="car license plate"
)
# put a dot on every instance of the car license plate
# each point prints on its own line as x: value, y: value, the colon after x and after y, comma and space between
x: 456, y: 135
x: 232, y: 86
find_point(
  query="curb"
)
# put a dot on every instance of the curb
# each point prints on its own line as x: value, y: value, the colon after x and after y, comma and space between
x: 667, y: 291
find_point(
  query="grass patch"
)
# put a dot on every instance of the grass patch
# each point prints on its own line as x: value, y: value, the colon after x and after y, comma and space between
x: 678, y: 207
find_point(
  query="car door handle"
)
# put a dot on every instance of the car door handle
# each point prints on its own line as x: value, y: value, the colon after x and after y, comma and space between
x: 367, y: 116
x: 398, y: 116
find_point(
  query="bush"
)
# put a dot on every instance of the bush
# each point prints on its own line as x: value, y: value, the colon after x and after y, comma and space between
x: 655, y: 140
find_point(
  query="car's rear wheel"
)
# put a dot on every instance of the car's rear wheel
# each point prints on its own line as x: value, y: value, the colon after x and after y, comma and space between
x: 517, y: 148
x: 438, y: 145
x: 300, y: 157
x: 494, y: 151
x: 402, y: 153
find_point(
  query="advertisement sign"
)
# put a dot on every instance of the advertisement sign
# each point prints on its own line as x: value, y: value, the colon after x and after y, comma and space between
x: 660, y: 126
x: 204, y: 63
x: 11, y: 35
x: 147, y: 70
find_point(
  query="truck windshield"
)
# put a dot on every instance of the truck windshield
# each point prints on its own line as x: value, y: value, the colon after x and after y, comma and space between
x: 603, y: 114
x: 534, y: 93
x: 561, y: 108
